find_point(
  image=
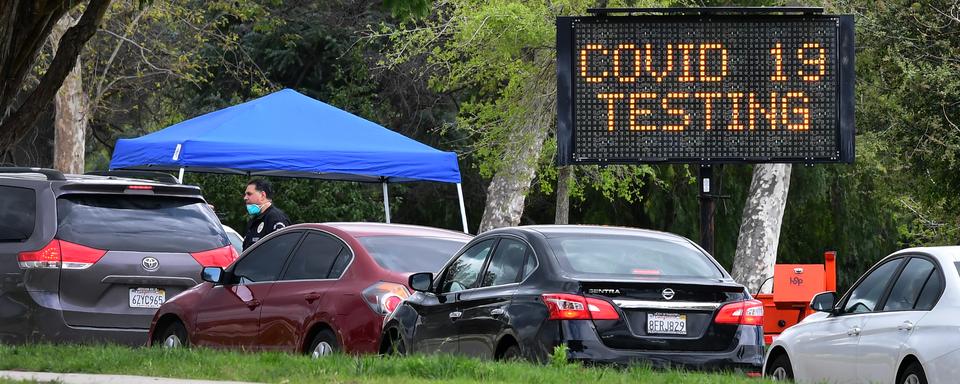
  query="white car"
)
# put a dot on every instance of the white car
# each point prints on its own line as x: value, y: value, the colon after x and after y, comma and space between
x: 900, y: 323
x: 235, y: 239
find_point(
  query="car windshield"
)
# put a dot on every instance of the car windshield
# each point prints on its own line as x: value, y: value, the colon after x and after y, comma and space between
x: 139, y: 223
x: 626, y: 255
x: 411, y: 253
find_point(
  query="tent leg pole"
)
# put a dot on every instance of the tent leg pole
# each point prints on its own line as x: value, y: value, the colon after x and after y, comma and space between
x: 180, y: 179
x: 463, y: 210
x: 386, y: 202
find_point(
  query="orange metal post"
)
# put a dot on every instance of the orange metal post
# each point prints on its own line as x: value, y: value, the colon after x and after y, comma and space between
x: 830, y: 267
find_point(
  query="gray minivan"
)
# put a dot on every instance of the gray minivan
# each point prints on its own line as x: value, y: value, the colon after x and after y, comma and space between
x: 90, y: 258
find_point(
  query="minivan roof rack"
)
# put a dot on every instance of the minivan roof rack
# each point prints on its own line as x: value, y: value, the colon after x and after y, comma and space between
x: 131, y: 174
x: 51, y: 174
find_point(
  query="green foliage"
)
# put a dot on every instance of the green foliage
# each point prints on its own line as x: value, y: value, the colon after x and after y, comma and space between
x: 303, y: 200
x: 488, y: 53
x: 907, y: 64
x: 845, y: 208
x: 456, y: 78
x: 248, y: 48
x: 284, y: 368
x: 408, y: 8
x: 489, y: 50
x: 559, y: 356
x: 141, y: 69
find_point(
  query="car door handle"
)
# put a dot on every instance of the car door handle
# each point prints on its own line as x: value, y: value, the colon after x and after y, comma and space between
x: 455, y: 315
x: 253, y: 304
x: 311, y: 297
x: 855, y: 331
x: 497, y: 312
x: 906, y: 326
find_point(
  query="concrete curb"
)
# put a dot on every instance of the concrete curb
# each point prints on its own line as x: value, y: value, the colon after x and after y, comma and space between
x: 84, y: 378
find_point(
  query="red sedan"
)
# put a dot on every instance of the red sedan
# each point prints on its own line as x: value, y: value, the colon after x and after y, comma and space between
x: 309, y: 288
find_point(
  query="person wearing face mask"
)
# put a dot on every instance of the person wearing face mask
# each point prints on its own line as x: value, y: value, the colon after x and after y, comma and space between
x: 264, y: 217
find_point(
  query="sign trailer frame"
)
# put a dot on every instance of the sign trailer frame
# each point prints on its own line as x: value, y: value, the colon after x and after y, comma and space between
x: 709, y: 167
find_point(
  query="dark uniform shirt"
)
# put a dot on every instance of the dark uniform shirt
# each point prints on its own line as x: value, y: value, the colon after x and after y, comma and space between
x: 263, y: 224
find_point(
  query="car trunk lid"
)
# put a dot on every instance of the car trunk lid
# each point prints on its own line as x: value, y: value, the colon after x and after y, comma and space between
x: 124, y: 288
x: 148, y: 249
x: 666, y: 315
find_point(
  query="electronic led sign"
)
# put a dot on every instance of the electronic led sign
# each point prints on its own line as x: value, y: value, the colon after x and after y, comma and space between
x: 705, y: 89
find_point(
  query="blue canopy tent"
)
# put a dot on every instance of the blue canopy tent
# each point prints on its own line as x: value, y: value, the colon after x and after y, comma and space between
x: 288, y: 134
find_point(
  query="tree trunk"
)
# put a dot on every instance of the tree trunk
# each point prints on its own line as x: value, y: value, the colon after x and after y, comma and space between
x: 760, y: 229
x: 510, y: 184
x: 70, y: 123
x: 564, y: 178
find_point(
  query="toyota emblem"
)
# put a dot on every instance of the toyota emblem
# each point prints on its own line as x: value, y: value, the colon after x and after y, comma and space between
x: 150, y: 264
x: 668, y: 294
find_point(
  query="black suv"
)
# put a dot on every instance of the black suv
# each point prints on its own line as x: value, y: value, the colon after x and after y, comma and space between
x: 90, y: 258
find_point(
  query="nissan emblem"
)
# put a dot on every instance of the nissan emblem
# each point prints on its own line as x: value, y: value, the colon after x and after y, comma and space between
x: 668, y: 294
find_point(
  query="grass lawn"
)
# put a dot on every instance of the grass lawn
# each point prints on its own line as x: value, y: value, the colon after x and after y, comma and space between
x: 284, y: 368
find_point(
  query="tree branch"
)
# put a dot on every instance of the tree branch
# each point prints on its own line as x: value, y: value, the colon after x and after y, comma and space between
x: 21, y: 121
x: 102, y: 141
x: 99, y: 89
x: 24, y: 27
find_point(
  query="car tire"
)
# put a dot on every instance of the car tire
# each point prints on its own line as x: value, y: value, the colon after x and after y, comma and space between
x: 512, y: 353
x: 780, y: 369
x: 323, y: 344
x: 397, y: 346
x: 174, y: 336
x: 913, y: 374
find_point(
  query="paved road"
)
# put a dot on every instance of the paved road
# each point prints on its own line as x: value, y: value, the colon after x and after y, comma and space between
x: 82, y: 378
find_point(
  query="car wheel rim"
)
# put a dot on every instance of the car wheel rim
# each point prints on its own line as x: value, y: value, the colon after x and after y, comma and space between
x: 323, y: 348
x: 779, y: 374
x: 172, y: 341
x: 911, y: 379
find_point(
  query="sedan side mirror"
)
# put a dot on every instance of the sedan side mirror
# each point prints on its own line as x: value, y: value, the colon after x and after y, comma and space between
x: 421, y: 281
x: 211, y: 274
x: 824, y: 302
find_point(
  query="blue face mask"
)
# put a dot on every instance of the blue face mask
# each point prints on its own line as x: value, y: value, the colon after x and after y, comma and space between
x: 253, y: 209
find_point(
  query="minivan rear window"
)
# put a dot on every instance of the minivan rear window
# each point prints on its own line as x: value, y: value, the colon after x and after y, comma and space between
x: 141, y: 223
x: 631, y: 256
x: 18, y: 213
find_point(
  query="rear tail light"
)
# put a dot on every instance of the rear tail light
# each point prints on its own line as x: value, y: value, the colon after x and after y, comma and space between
x: 140, y: 187
x: 46, y: 257
x: 60, y: 254
x: 384, y: 298
x: 564, y: 306
x: 220, y: 257
x: 749, y: 312
x: 76, y: 256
